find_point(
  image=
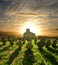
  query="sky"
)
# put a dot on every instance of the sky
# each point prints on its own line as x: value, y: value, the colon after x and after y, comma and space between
x: 40, y: 15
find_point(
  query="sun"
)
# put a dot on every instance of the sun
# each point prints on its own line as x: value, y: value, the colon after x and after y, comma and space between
x: 32, y: 26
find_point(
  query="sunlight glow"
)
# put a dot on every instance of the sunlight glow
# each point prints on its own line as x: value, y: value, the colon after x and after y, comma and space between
x: 32, y: 26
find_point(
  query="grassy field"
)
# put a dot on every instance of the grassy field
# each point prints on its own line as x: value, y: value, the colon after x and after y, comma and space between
x: 16, y: 53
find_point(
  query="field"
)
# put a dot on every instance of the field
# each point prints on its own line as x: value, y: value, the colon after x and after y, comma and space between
x: 15, y: 52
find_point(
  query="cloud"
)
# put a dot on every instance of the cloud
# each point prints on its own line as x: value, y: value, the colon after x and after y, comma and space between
x: 13, y: 13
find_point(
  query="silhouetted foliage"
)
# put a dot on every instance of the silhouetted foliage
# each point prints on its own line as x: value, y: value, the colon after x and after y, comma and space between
x: 48, y: 43
x: 28, y: 57
x: 54, y: 43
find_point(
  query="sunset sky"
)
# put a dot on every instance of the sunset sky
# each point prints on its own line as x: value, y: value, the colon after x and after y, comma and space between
x: 41, y: 16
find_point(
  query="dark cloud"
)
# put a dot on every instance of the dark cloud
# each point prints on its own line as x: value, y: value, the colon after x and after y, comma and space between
x: 53, y: 6
x: 56, y: 29
x: 4, y: 4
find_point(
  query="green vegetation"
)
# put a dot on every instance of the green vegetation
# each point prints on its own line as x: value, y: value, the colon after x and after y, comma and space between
x: 18, y: 54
